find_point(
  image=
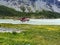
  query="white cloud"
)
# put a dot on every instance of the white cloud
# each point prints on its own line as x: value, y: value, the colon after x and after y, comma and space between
x: 58, y: 0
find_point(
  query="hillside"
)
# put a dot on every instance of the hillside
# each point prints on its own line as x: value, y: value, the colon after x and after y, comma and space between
x: 5, y: 11
x: 33, y: 5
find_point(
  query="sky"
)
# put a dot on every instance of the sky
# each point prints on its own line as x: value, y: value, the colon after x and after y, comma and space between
x: 58, y: 0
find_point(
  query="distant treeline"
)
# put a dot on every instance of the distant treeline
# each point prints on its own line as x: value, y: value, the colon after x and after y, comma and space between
x: 5, y: 11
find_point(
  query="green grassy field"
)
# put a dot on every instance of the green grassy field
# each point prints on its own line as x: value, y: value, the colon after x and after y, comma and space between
x: 32, y: 35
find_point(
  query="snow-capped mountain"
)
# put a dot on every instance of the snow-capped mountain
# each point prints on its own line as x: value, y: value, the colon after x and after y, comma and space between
x: 32, y: 5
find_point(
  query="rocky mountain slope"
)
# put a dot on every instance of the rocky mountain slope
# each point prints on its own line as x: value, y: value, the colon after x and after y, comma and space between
x: 10, y: 13
x: 32, y: 5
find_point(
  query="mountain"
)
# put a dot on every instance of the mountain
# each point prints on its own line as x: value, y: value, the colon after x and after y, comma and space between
x: 6, y: 12
x: 32, y: 5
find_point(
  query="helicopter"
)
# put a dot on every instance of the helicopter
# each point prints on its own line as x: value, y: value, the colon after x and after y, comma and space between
x: 24, y: 19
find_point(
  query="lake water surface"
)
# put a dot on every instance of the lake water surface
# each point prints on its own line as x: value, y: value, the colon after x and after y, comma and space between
x: 33, y: 21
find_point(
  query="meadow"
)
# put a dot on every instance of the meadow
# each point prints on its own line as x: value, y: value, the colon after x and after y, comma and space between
x: 31, y: 35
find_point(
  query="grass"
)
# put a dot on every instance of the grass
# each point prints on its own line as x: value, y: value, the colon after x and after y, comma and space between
x: 33, y: 35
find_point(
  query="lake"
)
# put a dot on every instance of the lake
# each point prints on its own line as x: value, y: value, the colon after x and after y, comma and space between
x: 33, y: 21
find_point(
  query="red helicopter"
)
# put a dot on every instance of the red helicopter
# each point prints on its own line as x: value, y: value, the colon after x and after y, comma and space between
x: 24, y: 19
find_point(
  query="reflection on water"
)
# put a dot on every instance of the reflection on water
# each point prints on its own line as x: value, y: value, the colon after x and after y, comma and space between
x: 33, y: 21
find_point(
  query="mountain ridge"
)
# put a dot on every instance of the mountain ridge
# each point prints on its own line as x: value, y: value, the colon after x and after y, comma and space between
x: 32, y: 4
x: 6, y: 12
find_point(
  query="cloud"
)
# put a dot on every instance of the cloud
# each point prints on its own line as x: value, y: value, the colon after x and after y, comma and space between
x: 58, y: 0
